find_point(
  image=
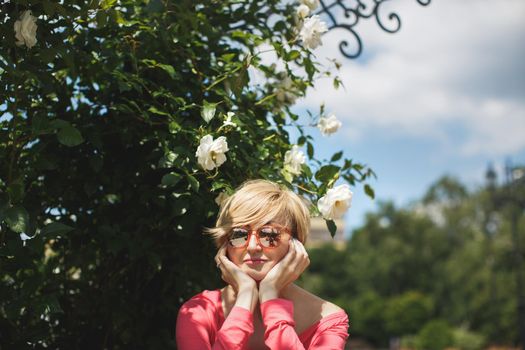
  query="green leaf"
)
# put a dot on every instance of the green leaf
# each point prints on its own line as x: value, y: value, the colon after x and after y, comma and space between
x: 332, y: 227
x: 168, y: 68
x: 337, y: 83
x: 70, y: 136
x: 154, y: 109
x: 278, y: 48
x: 369, y: 191
x: 280, y: 26
x: 292, y: 55
x: 58, y: 123
x: 171, y: 179
x: 306, y: 171
x: 174, y: 127
x: 124, y: 86
x: 194, y: 183
x: 310, y: 150
x: 336, y: 156
x: 208, y: 111
x: 106, y: 4
x: 16, y: 190
x: 17, y: 218
x: 55, y: 229
x: 239, y: 81
x: 227, y: 57
x: 310, y: 68
x: 217, y: 185
x: 327, y: 173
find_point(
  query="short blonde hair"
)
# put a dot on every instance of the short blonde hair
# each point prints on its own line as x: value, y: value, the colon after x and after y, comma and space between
x: 256, y: 203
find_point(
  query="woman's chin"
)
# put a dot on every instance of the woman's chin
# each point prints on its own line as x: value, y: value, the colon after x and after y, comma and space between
x: 256, y: 275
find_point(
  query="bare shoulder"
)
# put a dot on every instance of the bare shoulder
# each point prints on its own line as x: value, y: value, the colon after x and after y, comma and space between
x: 312, y: 301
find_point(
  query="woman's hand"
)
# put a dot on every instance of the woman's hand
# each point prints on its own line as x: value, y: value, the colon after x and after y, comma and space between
x: 244, y: 286
x: 232, y: 274
x: 284, y: 272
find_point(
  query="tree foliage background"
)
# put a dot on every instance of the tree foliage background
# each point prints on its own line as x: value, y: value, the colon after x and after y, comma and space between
x: 436, y: 274
x: 100, y: 123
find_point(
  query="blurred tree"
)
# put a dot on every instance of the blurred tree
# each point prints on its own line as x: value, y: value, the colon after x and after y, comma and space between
x: 405, y: 313
x: 452, y: 247
x: 435, y: 335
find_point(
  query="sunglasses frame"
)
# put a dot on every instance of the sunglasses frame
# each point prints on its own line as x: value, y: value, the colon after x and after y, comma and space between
x: 283, y: 229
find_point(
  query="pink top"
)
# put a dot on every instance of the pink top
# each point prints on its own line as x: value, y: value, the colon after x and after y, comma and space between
x: 201, y: 325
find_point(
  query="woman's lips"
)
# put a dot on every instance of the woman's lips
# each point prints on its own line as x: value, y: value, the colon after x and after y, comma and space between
x: 254, y: 261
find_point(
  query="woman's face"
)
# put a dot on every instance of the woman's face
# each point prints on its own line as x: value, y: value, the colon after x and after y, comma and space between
x: 256, y: 260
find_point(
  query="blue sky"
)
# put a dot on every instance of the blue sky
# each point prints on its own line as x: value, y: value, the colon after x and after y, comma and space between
x: 444, y: 95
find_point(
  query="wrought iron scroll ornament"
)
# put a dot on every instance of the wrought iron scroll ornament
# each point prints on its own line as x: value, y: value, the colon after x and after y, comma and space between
x: 353, y: 11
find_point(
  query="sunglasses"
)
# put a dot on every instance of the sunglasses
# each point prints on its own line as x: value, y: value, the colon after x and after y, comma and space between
x: 268, y: 236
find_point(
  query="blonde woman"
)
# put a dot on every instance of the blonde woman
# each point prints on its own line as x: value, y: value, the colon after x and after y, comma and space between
x: 260, y: 234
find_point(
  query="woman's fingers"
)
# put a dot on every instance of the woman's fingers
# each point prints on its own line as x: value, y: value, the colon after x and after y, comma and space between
x: 305, y: 260
x: 301, y: 260
x: 220, y: 252
x: 290, y: 255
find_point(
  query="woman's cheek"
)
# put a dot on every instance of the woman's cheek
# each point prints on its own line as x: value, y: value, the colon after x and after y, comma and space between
x: 233, y: 258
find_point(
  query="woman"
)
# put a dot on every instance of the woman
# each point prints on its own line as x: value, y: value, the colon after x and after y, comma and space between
x: 260, y: 233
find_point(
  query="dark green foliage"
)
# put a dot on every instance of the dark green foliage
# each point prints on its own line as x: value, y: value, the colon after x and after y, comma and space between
x: 100, y: 122
x: 435, y: 335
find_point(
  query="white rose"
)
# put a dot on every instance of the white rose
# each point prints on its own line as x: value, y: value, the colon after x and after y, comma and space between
x: 221, y: 198
x: 312, y: 4
x: 329, y: 125
x: 311, y: 31
x: 293, y: 159
x: 302, y: 11
x: 336, y: 202
x: 25, y: 29
x: 210, y: 153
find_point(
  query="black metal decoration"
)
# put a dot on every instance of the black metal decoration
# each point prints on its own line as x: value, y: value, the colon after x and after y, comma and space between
x: 353, y: 11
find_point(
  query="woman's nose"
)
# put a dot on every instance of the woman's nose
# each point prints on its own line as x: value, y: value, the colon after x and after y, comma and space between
x: 253, y: 244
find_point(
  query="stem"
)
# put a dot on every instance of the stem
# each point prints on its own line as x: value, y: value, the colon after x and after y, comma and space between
x: 14, y: 113
x: 304, y: 189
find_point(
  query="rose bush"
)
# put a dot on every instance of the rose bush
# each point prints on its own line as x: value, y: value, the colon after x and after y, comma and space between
x: 121, y: 126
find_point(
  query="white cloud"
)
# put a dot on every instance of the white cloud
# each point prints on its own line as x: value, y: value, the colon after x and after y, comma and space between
x: 452, y: 63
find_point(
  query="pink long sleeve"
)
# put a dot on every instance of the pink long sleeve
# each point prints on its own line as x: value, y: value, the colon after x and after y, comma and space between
x: 280, y: 334
x: 197, y: 327
x: 201, y: 325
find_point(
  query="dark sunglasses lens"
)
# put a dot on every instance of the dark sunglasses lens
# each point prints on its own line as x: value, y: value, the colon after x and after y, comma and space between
x: 269, y: 237
x: 238, y: 237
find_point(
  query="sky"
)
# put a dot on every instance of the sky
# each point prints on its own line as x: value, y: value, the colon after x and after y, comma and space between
x: 443, y: 95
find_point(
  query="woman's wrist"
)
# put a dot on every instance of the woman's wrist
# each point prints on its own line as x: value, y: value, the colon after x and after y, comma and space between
x: 267, y: 292
x: 247, y: 297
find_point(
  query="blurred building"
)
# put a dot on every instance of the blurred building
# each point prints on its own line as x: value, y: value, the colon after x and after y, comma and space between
x: 319, y: 234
